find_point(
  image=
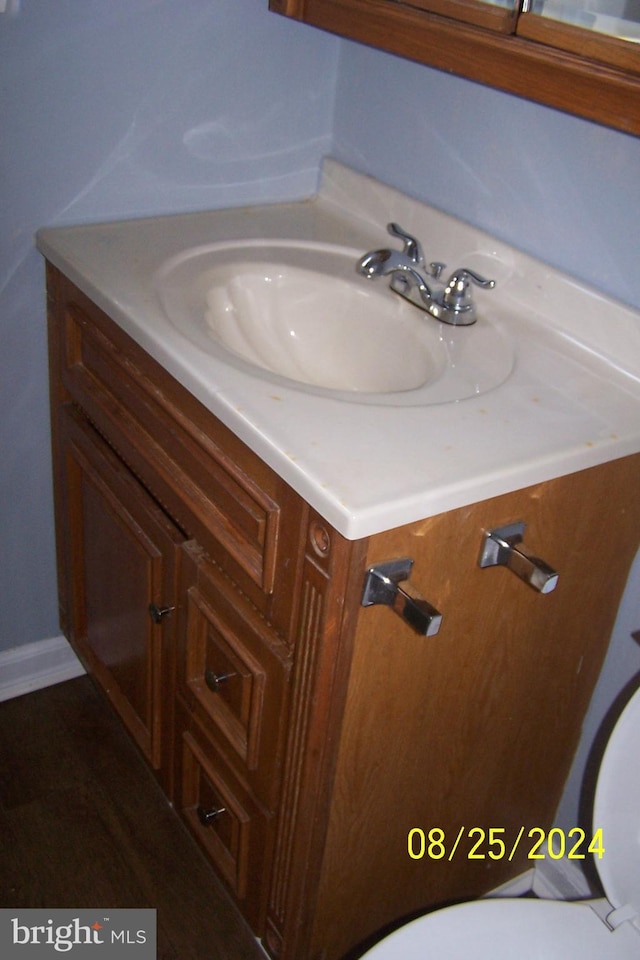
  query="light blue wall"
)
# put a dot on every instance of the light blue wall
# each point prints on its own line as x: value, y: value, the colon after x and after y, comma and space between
x: 118, y: 108
x: 561, y: 188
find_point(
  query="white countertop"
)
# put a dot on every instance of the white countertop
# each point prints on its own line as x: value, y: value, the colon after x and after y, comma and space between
x: 572, y: 401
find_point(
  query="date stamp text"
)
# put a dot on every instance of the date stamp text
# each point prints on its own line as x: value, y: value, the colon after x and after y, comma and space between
x: 494, y: 843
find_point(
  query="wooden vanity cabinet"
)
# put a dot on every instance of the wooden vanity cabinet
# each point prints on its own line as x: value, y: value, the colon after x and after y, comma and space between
x: 301, y: 736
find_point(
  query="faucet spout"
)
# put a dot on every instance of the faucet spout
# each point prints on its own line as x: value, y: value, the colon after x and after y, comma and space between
x: 381, y: 263
x: 394, y: 264
x: 372, y: 264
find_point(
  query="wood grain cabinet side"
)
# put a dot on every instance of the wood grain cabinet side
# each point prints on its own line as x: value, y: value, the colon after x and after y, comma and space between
x: 472, y: 730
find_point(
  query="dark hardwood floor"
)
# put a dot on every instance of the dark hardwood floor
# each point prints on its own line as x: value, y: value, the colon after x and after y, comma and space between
x: 84, y: 824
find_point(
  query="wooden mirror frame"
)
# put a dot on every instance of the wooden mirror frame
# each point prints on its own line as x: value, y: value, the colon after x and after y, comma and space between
x: 575, y: 82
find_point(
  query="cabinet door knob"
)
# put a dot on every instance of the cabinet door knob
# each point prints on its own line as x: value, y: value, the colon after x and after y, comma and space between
x: 159, y: 613
x: 215, y: 680
x: 503, y: 546
x: 207, y: 816
x: 382, y: 585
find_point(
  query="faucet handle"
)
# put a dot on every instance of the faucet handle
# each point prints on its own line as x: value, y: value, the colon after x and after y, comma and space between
x: 461, y: 279
x: 457, y: 293
x: 456, y: 300
x: 412, y: 248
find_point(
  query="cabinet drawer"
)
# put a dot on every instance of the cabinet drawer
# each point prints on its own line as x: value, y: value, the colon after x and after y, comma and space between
x: 233, y: 673
x: 230, y: 826
x: 229, y: 499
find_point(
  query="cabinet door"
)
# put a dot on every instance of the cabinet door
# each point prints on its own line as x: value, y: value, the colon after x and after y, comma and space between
x: 121, y: 556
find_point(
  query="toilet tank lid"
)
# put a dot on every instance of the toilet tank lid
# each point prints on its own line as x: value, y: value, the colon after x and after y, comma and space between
x: 617, y: 815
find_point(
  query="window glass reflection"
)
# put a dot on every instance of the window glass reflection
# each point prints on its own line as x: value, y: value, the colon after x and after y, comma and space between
x: 618, y: 18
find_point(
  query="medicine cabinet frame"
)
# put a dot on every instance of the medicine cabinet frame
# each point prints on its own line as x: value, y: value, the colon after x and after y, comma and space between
x: 587, y: 74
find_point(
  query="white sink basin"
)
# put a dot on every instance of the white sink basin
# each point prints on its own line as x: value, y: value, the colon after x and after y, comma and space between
x: 297, y: 314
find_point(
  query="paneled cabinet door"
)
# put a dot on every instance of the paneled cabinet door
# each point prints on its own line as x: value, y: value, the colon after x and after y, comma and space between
x: 121, y: 555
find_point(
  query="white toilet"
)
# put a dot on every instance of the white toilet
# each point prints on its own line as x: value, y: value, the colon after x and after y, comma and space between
x: 508, y: 929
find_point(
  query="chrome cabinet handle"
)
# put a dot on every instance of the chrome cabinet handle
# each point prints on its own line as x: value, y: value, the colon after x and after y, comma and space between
x: 382, y: 585
x: 503, y: 547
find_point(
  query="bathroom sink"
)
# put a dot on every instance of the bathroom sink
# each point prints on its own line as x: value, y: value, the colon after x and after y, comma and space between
x: 297, y: 314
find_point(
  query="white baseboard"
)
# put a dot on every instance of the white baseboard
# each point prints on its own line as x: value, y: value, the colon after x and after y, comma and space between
x: 550, y: 879
x: 561, y: 880
x: 517, y: 887
x: 33, y: 666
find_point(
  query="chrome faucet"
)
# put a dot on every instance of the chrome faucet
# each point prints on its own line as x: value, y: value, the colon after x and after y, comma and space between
x: 451, y: 302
